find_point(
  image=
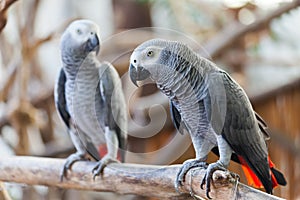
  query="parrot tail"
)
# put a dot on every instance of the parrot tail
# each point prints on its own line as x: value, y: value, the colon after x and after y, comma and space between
x: 276, y: 176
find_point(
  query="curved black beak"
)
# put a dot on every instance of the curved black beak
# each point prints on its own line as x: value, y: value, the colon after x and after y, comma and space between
x: 93, y: 43
x: 138, y: 74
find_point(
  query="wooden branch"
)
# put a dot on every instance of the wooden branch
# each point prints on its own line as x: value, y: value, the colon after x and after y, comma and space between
x: 146, y: 180
x: 4, y: 5
x: 226, y: 38
x: 4, y: 191
x: 10, y: 77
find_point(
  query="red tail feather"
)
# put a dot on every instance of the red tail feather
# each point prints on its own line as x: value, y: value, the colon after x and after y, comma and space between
x: 103, y: 151
x: 252, y: 178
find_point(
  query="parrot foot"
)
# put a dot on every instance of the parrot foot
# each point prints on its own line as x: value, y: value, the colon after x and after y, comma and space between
x: 186, y: 166
x: 69, y: 162
x: 209, y: 173
x: 102, y: 164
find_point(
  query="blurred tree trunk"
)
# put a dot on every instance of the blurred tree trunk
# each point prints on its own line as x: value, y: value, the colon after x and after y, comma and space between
x: 131, y: 14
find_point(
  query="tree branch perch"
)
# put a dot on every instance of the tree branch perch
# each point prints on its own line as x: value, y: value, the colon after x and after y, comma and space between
x: 146, y: 180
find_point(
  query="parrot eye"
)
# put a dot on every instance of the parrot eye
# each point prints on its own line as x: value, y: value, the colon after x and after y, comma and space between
x: 78, y: 31
x: 150, y: 53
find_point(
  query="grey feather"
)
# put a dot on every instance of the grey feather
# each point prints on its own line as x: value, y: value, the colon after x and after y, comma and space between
x: 213, y: 108
x: 60, y: 98
x: 89, y: 95
x: 115, y: 116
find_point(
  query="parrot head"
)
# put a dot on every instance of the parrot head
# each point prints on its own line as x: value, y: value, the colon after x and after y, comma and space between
x: 155, y: 59
x: 80, y: 38
x: 145, y: 60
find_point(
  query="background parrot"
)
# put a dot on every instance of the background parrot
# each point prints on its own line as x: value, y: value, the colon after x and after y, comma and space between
x: 89, y: 98
x: 207, y: 103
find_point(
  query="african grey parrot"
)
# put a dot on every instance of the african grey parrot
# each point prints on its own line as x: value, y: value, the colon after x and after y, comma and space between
x: 208, y: 104
x: 89, y: 98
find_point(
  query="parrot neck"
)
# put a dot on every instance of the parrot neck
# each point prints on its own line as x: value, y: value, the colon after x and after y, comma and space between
x: 73, y: 64
x: 184, y: 74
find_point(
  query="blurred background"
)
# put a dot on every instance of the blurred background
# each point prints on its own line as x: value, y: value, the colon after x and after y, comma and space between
x: 257, y: 42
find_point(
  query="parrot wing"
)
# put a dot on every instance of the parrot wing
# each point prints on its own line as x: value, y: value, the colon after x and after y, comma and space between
x: 60, y: 98
x: 113, y: 118
x: 176, y: 119
x: 277, y: 176
x: 262, y: 126
x: 231, y: 115
x: 61, y: 105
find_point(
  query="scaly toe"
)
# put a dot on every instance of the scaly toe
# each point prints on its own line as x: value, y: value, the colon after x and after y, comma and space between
x: 203, y: 182
x: 69, y: 162
x: 186, y: 166
x: 208, y: 176
x: 98, y: 169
